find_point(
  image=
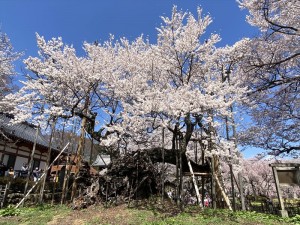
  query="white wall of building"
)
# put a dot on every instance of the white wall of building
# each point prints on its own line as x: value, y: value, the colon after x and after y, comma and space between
x: 19, y: 162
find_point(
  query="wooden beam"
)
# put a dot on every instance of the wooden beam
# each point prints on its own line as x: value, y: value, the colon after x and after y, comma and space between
x: 284, y: 164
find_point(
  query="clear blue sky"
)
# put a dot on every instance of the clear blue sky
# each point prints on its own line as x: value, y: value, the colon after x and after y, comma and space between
x: 77, y: 21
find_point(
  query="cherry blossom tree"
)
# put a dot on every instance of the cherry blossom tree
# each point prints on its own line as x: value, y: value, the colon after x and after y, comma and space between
x: 259, y: 179
x: 7, y: 57
x: 271, y: 70
x: 60, y: 84
x: 134, y: 90
x: 180, y: 83
x: 177, y: 83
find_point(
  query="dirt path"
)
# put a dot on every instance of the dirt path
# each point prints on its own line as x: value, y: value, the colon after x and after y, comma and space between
x: 118, y: 215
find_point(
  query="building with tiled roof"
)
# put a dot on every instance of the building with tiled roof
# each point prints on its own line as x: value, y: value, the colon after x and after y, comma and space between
x: 16, y: 144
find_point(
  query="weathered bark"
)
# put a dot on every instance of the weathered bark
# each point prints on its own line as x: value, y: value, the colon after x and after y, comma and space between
x: 170, y: 157
x: 80, y: 148
x: 131, y: 176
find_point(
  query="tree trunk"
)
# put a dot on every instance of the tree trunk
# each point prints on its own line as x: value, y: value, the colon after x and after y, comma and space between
x: 80, y: 148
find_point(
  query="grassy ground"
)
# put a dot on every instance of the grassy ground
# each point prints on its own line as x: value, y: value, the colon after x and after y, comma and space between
x: 139, y: 214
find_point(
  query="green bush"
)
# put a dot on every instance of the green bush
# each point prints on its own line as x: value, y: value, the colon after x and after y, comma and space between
x: 9, y: 211
x: 294, y: 220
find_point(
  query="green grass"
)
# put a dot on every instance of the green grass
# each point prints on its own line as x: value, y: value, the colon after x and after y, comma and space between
x: 224, y: 217
x: 31, y: 215
x: 99, y: 215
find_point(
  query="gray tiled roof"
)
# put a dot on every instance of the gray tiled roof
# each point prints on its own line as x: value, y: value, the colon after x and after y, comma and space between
x: 102, y: 161
x: 22, y: 131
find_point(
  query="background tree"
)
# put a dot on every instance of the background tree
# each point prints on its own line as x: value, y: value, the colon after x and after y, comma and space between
x: 7, y: 58
x: 271, y: 71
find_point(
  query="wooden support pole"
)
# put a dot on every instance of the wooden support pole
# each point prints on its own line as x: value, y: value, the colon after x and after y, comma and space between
x: 7, y: 187
x: 47, y: 162
x: 31, y: 160
x: 232, y: 186
x: 213, y: 185
x: 241, y: 184
x: 92, y: 150
x: 66, y: 179
x: 195, y: 184
x: 222, y: 191
x: 180, y: 174
x: 177, y: 169
x: 163, y: 165
x: 278, y: 188
x: 283, y: 212
x: 230, y: 166
x: 202, y: 162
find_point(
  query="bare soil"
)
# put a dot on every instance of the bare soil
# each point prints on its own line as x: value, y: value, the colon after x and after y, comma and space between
x: 94, y: 215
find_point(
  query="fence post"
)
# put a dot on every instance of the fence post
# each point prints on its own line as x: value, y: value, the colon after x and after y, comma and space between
x: 282, y: 211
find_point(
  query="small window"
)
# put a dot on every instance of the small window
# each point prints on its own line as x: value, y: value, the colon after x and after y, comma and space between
x: 36, y: 164
x: 9, y: 161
